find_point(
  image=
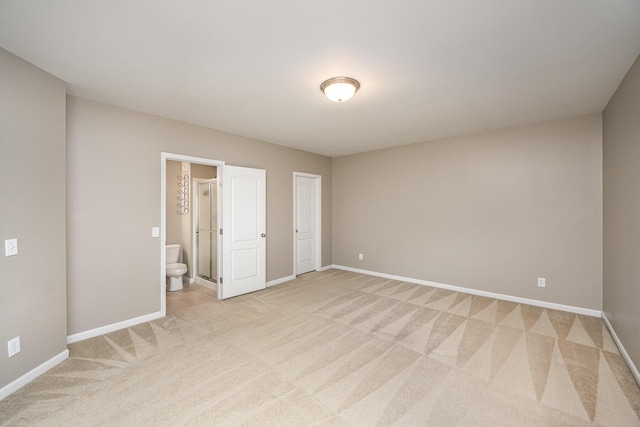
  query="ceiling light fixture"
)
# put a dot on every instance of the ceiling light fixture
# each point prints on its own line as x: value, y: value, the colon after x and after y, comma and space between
x: 340, y: 89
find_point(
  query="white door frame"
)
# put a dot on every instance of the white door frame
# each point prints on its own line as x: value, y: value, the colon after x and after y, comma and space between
x: 317, y: 226
x: 163, y: 213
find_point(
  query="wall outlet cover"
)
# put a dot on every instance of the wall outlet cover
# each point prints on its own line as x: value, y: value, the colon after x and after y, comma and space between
x: 11, y: 247
x: 14, y: 346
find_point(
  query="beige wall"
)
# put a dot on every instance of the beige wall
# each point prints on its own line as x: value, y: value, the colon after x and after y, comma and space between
x: 113, y: 169
x: 174, y: 220
x: 621, y: 151
x: 491, y: 211
x: 32, y: 209
x: 203, y: 171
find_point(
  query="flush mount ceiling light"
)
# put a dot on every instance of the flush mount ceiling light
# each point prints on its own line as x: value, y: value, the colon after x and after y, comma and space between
x: 340, y: 89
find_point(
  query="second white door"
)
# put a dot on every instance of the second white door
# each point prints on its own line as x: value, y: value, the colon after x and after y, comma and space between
x: 306, y: 252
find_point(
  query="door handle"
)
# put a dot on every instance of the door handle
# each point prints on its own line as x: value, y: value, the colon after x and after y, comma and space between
x: 263, y: 235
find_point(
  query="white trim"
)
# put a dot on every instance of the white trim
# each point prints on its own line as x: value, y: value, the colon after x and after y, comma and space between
x: 163, y: 234
x: 33, y: 374
x: 163, y: 216
x: 280, y: 280
x: 317, y: 226
x: 327, y: 267
x: 623, y: 351
x: 113, y: 327
x: 537, y: 303
x: 207, y: 284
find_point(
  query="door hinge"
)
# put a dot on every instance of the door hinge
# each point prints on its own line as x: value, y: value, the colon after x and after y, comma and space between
x: 221, y: 231
x: 221, y: 281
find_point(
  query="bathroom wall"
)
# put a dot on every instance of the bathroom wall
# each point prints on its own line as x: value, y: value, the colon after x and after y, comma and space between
x: 203, y: 171
x: 174, y: 220
x: 33, y: 288
x: 186, y: 223
x: 108, y: 149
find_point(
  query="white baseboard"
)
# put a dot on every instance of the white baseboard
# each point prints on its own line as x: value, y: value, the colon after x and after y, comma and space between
x: 293, y: 276
x: 113, y: 327
x: 207, y: 284
x: 33, y: 374
x: 623, y: 351
x: 544, y: 304
x: 280, y: 280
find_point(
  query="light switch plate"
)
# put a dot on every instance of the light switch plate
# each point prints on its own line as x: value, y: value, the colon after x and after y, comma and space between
x: 11, y: 247
x: 155, y: 232
x: 14, y: 346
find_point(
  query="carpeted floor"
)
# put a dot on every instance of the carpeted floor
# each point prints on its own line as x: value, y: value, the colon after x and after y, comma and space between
x: 339, y: 349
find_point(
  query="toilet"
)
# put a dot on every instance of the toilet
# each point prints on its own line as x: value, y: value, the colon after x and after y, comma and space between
x: 175, y: 269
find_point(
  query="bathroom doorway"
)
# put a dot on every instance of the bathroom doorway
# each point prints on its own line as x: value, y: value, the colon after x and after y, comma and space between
x: 206, y: 231
x: 238, y: 261
x: 179, y: 174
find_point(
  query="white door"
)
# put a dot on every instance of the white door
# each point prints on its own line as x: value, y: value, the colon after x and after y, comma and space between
x: 243, y: 231
x: 305, y: 248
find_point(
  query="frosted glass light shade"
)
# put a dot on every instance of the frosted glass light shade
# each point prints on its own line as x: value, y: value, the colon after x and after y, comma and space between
x: 340, y: 89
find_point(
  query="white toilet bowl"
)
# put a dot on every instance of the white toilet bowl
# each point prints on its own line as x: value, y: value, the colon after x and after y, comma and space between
x: 175, y: 269
x: 174, y: 276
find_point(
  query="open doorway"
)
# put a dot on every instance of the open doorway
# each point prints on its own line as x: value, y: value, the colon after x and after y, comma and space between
x: 192, y: 220
x: 240, y: 225
x: 179, y: 177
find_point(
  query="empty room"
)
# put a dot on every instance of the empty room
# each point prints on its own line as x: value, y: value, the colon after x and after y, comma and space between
x: 320, y: 213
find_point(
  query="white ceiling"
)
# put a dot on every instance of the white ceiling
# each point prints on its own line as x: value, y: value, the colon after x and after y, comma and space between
x: 428, y: 68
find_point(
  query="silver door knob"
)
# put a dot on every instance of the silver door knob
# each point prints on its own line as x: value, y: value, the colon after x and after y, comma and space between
x: 263, y: 235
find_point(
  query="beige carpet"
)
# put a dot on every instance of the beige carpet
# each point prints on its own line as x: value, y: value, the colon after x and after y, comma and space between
x: 339, y: 349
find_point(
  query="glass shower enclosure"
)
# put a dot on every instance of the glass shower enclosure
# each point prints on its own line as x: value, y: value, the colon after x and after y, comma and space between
x: 207, y: 229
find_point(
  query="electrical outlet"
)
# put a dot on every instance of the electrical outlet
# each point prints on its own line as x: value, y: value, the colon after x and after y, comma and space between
x: 14, y: 346
x: 360, y: 257
x: 541, y: 282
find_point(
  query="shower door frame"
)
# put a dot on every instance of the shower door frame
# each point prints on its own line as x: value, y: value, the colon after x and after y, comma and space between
x: 212, y: 281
